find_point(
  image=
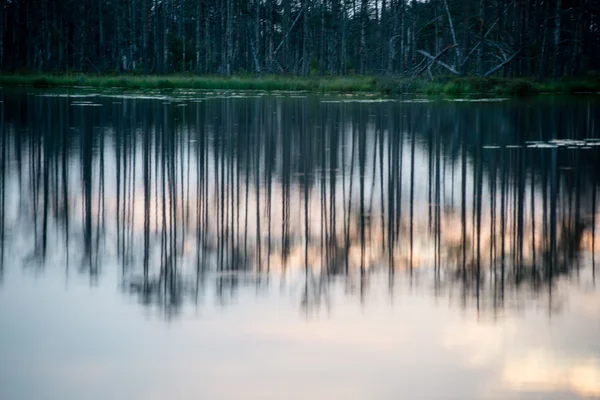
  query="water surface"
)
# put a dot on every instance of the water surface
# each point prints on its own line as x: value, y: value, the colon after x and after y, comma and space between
x: 217, y: 245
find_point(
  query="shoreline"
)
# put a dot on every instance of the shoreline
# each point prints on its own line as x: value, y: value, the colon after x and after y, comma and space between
x: 383, y: 85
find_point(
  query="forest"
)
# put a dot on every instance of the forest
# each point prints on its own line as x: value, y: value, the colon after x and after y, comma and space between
x: 541, y: 39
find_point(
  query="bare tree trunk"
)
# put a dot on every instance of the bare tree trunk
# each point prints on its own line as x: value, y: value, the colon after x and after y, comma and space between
x: 337, y: 49
x: 158, y: 29
x: 2, y: 28
x: 257, y: 33
x: 392, y: 41
x: 402, y: 37
x: 578, y: 45
x: 254, y: 52
x: 557, y: 38
x: 207, y: 43
x: 155, y: 39
x: 411, y: 36
x: 364, y: 17
x: 28, y: 43
x: 182, y: 33
x: 544, y: 53
x: 47, y: 51
x: 132, y: 36
x: 81, y: 35
x: 145, y: 36
x: 305, y: 37
x: 382, y: 33
x: 456, y: 48
x: 343, y: 53
x: 286, y: 42
x: 61, y: 45
x: 436, y: 27
x: 229, y: 33
x: 165, y: 36
x: 222, y: 35
x: 101, y: 34
x: 118, y: 63
x: 269, y: 30
x: 481, y: 52
x: 323, y: 54
x: 198, y: 19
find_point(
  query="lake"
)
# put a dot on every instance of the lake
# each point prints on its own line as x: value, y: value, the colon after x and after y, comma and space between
x: 191, y: 245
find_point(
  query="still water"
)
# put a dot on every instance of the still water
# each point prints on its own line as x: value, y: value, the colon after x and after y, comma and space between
x: 218, y: 245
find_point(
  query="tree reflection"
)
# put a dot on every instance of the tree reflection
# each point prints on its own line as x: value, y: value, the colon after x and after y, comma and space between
x: 3, y: 156
x: 239, y: 192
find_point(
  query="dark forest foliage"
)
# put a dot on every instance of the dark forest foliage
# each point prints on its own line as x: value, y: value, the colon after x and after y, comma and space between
x: 533, y: 38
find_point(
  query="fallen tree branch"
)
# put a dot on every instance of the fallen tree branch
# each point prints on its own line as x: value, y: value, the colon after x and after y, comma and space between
x: 436, y: 60
x: 288, y: 32
x: 486, y: 35
x: 469, y: 55
x: 427, y: 66
x: 501, y: 65
x: 418, y: 70
x: 499, y: 47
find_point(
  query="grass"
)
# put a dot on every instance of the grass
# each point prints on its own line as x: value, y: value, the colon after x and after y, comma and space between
x: 494, y: 86
x: 348, y: 84
x: 267, y: 83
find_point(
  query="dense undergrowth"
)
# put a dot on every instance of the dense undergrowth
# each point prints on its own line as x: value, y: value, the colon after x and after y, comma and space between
x: 347, y: 84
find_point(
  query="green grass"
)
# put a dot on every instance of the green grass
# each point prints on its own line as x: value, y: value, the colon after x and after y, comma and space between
x: 451, y: 86
x: 267, y: 83
x: 493, y: 86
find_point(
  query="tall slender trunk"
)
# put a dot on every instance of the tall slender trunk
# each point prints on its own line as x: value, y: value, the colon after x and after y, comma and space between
x: 81, y: 36
x: 451, y: 24
x: 544, y: 52
x: 145, y: 36
x: 100, y: 34
x: 557, y: 64
x: 119, y: 63
x: 286, y: 42
x: 364, y: 17
x: 481, y: 50
x: 45, y: 49
x: 578, y: 45
x: 257, y: 31
x: 254, y: 52
x: 412, y: 37
x: 165, y: 36
x: 382, y: 33
x: 182, y: 33
x: 269, y: 31
x: 207, y: 43
x: 2, y: 28
x: 132, y: 36
x: 158, y: 28
x: 323, y: 54
x: 394, y: 34
x: 61, y: 45
x: 344, y: 51
x: 229, y: 33
x: 402, y: 37
x: 198, y: 23
x: 305, y: 37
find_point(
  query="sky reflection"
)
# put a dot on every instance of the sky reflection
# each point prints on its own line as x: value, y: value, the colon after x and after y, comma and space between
x: 298, y: 247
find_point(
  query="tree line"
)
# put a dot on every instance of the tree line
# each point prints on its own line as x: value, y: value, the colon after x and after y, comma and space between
x: 533, y: 38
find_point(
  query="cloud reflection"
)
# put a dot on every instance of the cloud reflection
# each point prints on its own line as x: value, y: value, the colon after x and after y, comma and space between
x: 232, y: 192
